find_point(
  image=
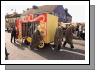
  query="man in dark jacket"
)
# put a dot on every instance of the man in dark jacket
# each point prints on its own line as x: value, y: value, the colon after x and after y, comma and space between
x: 6, y: 54
x: 36, y: 38
x: 58, y: 37
x: 69, y: 36
x: 13, y: 34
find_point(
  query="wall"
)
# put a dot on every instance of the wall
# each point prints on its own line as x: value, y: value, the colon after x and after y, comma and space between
x: 59, y: 11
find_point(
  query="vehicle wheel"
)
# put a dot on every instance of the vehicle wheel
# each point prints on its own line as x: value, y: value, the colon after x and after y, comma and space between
x: 41, y: 45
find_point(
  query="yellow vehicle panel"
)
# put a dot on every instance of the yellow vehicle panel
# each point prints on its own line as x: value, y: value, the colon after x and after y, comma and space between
x: 52, y: 24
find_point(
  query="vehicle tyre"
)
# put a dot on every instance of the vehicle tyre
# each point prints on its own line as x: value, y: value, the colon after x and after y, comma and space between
x: 42, y: 44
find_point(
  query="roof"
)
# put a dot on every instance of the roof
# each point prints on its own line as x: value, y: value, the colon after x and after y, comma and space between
x: 31, y: 11
x: 68, y: 14
x: 40, y: 9
x: 12, y: 15
x: 48, y: 8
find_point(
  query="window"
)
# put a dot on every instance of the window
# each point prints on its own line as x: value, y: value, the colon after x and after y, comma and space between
x: 55, y: 14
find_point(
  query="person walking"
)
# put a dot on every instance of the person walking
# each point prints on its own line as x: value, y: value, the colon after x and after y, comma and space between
x: 77, y: 30
x: 83, y: 33
x: 36, y: 38
x: 6, y: 53
x: 13, y: 34
x: 69, y: 36
x: 58, y: 37
x: 80, y: 31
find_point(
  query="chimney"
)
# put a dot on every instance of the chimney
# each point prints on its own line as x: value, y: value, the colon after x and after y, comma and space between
x: 35, y: 7
x: 66, y: 10
x: 27, y: 8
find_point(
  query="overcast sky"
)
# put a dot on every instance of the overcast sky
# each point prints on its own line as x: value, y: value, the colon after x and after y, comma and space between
x: 77, y: 11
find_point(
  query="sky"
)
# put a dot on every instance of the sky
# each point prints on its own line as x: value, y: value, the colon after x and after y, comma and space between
x: 77, y: 11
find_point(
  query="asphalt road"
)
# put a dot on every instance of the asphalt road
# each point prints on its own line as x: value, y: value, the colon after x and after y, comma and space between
x: 16, y: 52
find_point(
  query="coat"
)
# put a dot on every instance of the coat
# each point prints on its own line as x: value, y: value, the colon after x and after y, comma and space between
x: 36, y: 38
x: 69, y: 34
x: 58, y: 36
x: 13, y: 33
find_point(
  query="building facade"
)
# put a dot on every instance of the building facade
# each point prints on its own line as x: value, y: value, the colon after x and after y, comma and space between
x: 57, y: 10
x: 10, y: 19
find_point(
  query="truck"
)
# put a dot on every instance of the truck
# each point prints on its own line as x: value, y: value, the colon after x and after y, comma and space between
x: 47, y: 24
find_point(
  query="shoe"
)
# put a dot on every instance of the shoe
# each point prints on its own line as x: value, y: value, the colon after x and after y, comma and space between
x: 52, y: 48
x: 72, y: 47
x: 58, y: 49
x: 63, y: 46
x: 7, y: 53
x: 35, y: 49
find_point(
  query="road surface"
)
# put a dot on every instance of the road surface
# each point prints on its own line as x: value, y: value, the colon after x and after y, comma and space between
x: 16, y: 52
